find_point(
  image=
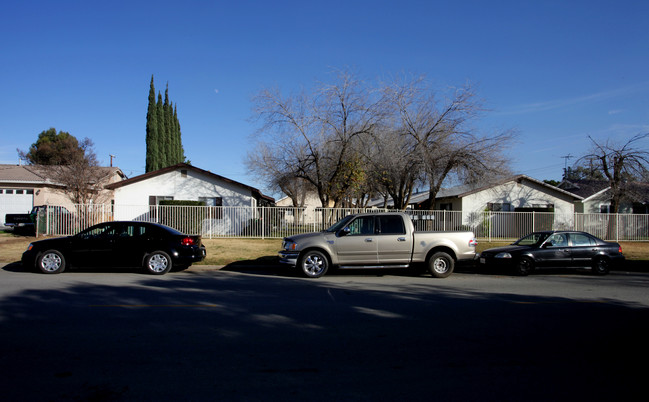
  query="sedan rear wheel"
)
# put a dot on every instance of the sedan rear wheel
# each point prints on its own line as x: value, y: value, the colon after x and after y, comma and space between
x: 51, y: 262
x: 601, y: 266
x: 157, y: 263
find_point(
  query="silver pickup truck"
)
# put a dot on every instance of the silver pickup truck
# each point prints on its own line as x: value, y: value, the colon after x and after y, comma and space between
x: 381, y: 240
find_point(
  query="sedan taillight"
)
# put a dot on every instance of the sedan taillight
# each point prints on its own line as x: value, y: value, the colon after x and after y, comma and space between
x: 187, y: 241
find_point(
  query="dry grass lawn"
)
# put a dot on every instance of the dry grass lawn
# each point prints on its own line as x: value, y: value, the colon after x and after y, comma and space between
x: 227, y: 251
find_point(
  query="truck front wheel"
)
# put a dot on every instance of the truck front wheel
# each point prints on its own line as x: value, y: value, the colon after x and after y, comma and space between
x: 313, y: 263
x: 441, y: 265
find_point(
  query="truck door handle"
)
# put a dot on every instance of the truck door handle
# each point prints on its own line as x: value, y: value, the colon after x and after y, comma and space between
x: 401, y: 239
x: 368, y: 240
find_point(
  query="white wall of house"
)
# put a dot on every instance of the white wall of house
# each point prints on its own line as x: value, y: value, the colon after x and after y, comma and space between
x: 519, y: 195
x: 601, y: 203
x: 307, y: 214
x: 132, y: 200
x: 524, y: 194
x: 191, y: 185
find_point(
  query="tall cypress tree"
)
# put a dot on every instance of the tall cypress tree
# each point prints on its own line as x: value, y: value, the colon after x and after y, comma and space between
x: 152, y: 149
x: 162, y: 134
x: 180, y: 150
x: 163, y: 137
x: 169, y: 130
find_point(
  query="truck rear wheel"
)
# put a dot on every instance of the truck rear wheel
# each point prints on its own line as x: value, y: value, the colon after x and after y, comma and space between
x: 441, y: 265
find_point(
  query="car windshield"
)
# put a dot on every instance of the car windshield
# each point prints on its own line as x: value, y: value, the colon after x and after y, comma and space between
x: 340, y: 224
x: 531, y: 239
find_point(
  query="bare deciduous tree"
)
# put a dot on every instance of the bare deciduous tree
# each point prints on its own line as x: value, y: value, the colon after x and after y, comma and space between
x: 441, y: 137
x: 351, y: 141
x: 82, y: 176
x: 314, y: 134
x: 393, y: 165
x: 619, y: 163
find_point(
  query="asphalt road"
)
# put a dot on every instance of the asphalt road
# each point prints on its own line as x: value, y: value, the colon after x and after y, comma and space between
x: 260, y: 334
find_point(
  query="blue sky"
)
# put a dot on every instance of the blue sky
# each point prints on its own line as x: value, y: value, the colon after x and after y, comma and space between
x: 556, y: 71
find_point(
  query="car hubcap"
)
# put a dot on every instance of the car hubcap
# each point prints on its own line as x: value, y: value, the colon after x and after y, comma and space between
x: 313, y: 265
x: 51, y: 262
x: 440, y: 266
x: 158, y: 263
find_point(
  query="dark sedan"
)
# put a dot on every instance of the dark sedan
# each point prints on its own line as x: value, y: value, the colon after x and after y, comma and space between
x: 555, y: 249
x: 156, y: 248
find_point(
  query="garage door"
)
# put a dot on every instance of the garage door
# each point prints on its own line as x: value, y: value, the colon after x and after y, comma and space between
x: 15, y: 201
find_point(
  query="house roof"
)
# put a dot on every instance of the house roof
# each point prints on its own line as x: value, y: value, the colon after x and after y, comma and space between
x: 20, y: 174
x: 178, y: 166
x: 37, y: 174
x: 584, y: 188
x: 468, y: 189
x: 636, y: 191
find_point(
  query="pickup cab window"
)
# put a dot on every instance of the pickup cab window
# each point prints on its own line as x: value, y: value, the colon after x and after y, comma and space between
x: 362, y: 226
x: 391, y: 224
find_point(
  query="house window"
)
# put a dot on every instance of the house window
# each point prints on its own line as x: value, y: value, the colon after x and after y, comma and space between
x: 605, y: 209
x: 212, y: 201
x: 155, y: 199
x: 183, y: 173
x: 499, y: 206
x: 446, y: 206
x: 639, y: 208
x: 215, y: 202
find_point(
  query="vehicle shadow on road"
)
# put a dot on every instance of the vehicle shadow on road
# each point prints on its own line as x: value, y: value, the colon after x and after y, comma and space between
x: 201, y: 336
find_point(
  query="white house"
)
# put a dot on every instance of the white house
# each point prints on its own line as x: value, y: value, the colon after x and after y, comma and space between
x: 518, y: 193
x: 137, y: 197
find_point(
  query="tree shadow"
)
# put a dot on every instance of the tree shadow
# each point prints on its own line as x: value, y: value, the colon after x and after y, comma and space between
x: 246, y: 336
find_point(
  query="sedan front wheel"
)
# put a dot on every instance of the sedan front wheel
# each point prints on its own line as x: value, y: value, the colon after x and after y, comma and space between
x: 51, y: 262
x: 525, y: 266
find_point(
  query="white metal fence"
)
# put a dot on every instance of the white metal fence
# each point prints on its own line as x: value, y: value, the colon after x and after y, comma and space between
x: 279, y: 222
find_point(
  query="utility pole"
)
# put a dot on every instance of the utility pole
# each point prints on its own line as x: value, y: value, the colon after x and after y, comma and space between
x: 565, y: 168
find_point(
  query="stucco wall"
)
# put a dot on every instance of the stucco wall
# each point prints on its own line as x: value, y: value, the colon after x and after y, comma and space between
x: 525, y: 194
x: 190, y: 187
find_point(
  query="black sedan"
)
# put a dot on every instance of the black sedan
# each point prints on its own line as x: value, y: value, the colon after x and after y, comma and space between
x: 154, y: 247
x: 555, y: 249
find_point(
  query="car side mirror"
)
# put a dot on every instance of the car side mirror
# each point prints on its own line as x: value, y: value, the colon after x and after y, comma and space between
x: 344, y: 231
x: 547, y: 244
